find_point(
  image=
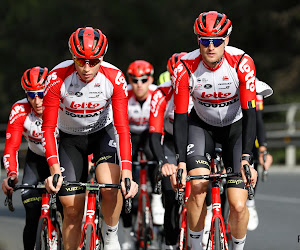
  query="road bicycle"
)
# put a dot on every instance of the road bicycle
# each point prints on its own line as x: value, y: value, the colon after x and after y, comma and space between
x: 91, y: 236
x: 49, y: 230
x: 218, y: 239
x: 145, y: 230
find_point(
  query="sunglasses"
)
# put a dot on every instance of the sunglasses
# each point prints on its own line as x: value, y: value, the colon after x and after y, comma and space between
x: 206, y: 41
x: 82, y: 61
x: 142, y: 79
x: 32, y: 95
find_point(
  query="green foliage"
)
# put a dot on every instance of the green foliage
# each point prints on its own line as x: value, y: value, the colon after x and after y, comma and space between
x: 36, y: 33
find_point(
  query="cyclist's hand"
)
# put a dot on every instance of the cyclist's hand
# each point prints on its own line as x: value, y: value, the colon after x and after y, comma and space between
x: 54, y: 169
x: 173, y: 177
x: 5, y: 187
x: 253, y: 174
x: 134, y: 187
x: 168, y: 169
x: 268, y: 160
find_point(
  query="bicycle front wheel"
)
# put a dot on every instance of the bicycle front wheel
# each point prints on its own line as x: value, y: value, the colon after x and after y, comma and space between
x: 58, y: 228
x: 42, y: 240
x: 217, y: 235
x: 88, y: 238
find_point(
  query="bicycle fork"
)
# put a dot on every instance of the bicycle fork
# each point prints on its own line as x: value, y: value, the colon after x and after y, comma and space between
x: 90, y: 220
x: 217, y: 213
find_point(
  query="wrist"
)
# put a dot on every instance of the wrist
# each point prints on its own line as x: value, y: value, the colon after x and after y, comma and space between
x: 247, y: 158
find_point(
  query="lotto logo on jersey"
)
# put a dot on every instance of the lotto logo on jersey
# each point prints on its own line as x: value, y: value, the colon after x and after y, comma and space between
x: 215, y: 95
x: 250, y: 74
x: 89, y: 105
x: 6, y: 161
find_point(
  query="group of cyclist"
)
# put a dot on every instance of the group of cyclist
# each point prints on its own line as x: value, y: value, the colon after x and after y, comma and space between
x: 83, y: 106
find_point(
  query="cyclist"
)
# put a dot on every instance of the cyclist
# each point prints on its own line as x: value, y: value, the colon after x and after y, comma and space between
x: 161, y: 126
x: 26, y: 119
x: 140, y: 76
x: 221, y: 81
x: 86, y: 98
x: 260, y: 151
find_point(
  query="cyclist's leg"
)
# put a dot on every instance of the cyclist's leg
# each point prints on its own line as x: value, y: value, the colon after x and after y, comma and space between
x: 108, y: 171
x: 36, y: 169
x: 74, y: 167
x: 236, y: 192
x: 199, y: 151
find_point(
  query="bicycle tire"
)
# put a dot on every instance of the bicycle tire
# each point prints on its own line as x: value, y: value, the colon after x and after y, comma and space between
x: 58, y: 227
x: 217, y: 235
x: 42, y: 241
x: 145, y: 226
x: 88, y: 238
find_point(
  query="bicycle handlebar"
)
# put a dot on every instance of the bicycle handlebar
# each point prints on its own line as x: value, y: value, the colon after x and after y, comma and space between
x: 265, y: 172
x: 159, y: 177
x: 179, y: 195
x: 128, y: 202
x: 248, y: 176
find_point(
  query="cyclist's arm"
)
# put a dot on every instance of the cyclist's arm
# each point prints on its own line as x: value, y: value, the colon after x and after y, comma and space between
x: 51, y: 103
x: 158, y: 106
x: 14, y: 134
x: 119, y: 104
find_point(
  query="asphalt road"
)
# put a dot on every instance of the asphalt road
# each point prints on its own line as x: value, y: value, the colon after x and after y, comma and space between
x: 277, y: 202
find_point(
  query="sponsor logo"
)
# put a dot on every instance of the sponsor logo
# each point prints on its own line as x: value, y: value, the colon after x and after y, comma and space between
x: 236, y: 182
x: 104, y: 158
x: 218, y: 105
x: 202, y: 162
x: 38, y: 123
x: 198, y: 86
x: 78, y: 94
x: 8, y: 136
x: 83, y: 115
x: 207, y: 86
x: 177, y: 70
x: 217, y: 206
x: 225, y: 78
x: 112, y: 144
x: 89, y: 105
x: 215, y: 95
x: 71, y: 189
x: 97, y: 84
x: 38, y: 199
x: 36, y: 134
x: 250, y: 76
x: 189, y: 147
x: 120, y: 79
x: 6, y: 161
x: 154, y: 102
x: 15, y: 111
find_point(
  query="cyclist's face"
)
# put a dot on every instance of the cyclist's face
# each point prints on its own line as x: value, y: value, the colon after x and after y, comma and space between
x: 212, y: 54
x: 140, y: 87
x: 86, y: 72
x: 37, y: 104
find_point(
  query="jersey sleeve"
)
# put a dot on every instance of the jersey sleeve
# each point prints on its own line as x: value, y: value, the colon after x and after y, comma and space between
x: 51, y: 103
x: 119, y: 105
x: 14, y: 132
x: 180, y: 80
x: 247, y: 76
x: 157, y: 111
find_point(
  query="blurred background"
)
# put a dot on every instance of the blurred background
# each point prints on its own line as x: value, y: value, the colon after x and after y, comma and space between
x: 36, y: 32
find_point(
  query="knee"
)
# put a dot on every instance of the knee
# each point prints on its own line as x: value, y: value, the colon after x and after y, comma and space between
x: 238, y: 207
x: 110, y: 195
x: 73, y: 214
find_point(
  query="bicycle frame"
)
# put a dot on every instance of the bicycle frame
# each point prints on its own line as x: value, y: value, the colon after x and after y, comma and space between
x: 144, y: 215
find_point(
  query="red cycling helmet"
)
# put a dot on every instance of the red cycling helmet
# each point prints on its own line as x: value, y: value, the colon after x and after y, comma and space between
x: 212, y: 24
x: 34, y: 79
x: 173, y: 60
x: 139, y: 68
x: 88, y: 43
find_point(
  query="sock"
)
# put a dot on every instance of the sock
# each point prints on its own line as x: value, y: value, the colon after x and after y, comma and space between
x: 112, y: 231
x: 250, y: 203
x: 238, y: 244
x: 196, y: 239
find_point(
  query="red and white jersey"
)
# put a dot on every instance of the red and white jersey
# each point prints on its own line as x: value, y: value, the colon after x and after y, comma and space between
x: 218, y: 94
x: 139, y: 114
x: 23, y: 121
x: 81, y: 108
x: 162, y: 109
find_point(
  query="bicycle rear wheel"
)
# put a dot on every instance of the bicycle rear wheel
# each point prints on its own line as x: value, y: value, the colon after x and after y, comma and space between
x: 217, y: 235
x: 145, y: 232
x: 42, y: 240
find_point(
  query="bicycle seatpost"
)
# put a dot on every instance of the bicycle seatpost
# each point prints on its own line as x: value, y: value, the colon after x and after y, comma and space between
x: 248, y: 176
x: 179, y: 195
x: 128, y: 202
